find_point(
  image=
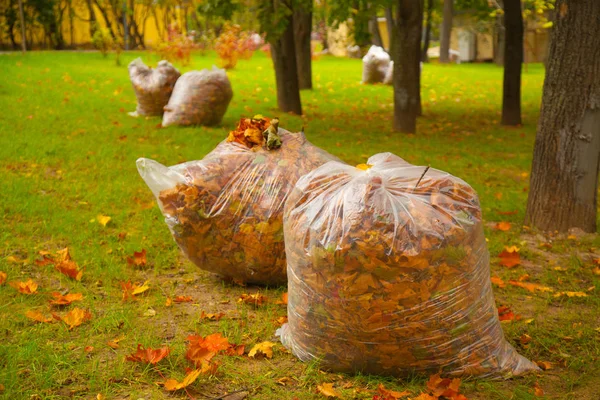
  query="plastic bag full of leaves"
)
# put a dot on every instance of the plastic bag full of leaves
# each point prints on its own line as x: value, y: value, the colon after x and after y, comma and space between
x: 153, y: 87
x: 199, y: 98
x: 388, y: 273
x: 375, y: 65
x: 226, y: 211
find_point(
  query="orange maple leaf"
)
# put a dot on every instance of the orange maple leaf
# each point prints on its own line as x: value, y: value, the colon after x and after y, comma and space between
x: 3, y: 277
x: 506, y: 314
x: 60, y: 300
x: 498, y: 282
x: 509, y: 257
x: 130, y: 290
x: 255, y: 299
x: 387, y: 394
x: 444, y: 387
x: 172, y: 384
x: 70, y: 269
x: 148, y: 355
x: 183, y: 299
x: 27, y: 287
x: 38, y: 316
x: 203, y: 349
x: 75, y: 317
x: 138, y: 259
x: 503, y: 226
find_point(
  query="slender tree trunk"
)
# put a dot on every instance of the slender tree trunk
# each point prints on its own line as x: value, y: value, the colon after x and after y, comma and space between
x: 513, y: 61
x: 92, y: 18
x: 375, y: 33
x: 406, y: 53
x: 429, y: 12
x: 389, y: 21
x: 566, y: 156
x: 302, y: 33
x: 448, y: 14
x: 22, y: 17
x: 283, y: 53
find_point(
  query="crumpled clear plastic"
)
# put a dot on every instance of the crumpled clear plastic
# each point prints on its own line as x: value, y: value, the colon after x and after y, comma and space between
x: 199, y: 98
x: 375, y: 65
x: 388, y: 273
x: 226, y: 211
x: 153, y: 87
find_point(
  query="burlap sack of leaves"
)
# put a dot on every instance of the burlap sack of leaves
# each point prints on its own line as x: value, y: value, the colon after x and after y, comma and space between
x: 199, y: 98
x: 226, y: 211
x: 375, y: 65
x: 153, y: 87
x: 389, y: 277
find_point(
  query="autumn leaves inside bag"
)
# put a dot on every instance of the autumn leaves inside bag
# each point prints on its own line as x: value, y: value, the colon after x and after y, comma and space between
x: 153, y: 87
x: 226, y: 211
x: 389, y: 274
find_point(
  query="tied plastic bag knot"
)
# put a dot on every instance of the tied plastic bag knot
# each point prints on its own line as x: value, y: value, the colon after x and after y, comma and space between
x: 153, y: 87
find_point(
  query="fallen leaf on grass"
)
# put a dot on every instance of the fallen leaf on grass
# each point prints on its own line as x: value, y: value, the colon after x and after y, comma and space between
x: 115, y: 342
x: 27, y: 287
x: 445, y: 387
x: 596, y: 271
x: 70, y: 269
x: 3, y: 277
x: 255, y: 299
x: 172, y: 384
x: 212, y: 317
x: 183, y: 299
x: 203, y: 349
x: 65, y: 300
x: 506, y: 314
x: 532, y: 287
x: 148, y: 355
x: 545, y: 365
x: 88, y: 349
x: 103, y: 219
x: 503, y: 226
x: 38, y: 316
x: 327, y: 390
x: 525, y: 339
x: 46, y: 260
x: 131, y: 290
x: 537, y: 390
x: 387, y: 394
x: 15, y: 260
x: 560, y: 269
x: 425, y: 396
x: 498, y: 282
x: 74, y: 318
x: 509, y: 257
x: 570, y: 294
x: 138, y: 259
x: 284, y: 299
x: 149, y: 313
x: 262, y: 349
x: 282, y: 320
x: 168, y: 302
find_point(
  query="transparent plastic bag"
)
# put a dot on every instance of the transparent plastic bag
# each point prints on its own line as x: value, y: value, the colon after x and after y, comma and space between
x: 153, y: 87
x: 375, y: 65
x: 199, y: 98
x: 225, y: 211
x: 389, y: 274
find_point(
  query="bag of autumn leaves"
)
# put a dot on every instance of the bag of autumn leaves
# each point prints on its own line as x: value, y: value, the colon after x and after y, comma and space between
x: 389, y: 273
x: 153, y: 87
x: 226, y: 211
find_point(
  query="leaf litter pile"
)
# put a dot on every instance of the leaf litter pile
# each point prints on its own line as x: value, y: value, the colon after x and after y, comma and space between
x: 389, y: 274
x: 226, y: 211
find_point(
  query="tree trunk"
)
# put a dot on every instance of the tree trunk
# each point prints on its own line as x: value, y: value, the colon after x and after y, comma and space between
x: 302, y: 33
x: 375, y: 33
x: 283, y: 53
x: 22, y: 18
x: 513, y: 60
x: 446, y: 31
x: 566, y: 156
x: 406, y: 53
x: 500, y: 41
x: 92, y: 18
x: 389, y: 21
x: 424, y: 57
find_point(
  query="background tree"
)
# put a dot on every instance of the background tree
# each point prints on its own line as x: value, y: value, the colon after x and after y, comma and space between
x: 513, y: 61
x: 303, y: 18
x: 446, y: 32
x: 566, y: 156
x: 427, y: 36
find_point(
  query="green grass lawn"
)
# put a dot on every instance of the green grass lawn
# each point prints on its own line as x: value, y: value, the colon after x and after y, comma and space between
x: 67, y: 154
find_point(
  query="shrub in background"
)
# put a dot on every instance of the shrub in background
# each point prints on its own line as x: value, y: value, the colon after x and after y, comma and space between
x: 234, y: 44
x: 177, y: 47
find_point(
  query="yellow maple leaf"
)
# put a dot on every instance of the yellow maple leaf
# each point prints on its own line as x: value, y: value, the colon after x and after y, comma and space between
x: 172, y: 384
x: 264, y: 348
x: 140, y: 289
x: 103, y: 219
x: 327, y: 390
x: 75, y: 317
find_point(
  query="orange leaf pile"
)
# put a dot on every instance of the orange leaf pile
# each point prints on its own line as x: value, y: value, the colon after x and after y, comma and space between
x: 65, y: 300
x: 509, y: 257
x: 27, y: 287
x: 138, y: 259
x: 387, y: 394
x: 148, y: 355
x: 75, y: 317
x: 249, y: 131
x: 506, y: 314
x: 255, y: 299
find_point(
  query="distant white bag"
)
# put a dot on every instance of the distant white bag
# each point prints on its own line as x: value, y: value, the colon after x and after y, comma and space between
x: 389, y: 74
x: 199, y: 98
x: 375, y: 65
x: 153, y: 87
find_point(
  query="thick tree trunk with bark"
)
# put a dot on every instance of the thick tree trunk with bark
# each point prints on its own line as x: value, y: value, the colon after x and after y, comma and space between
x: 448, y: 13
x: 566, y: 156
x: 375, y: 33
x: 428, y: 13
x: 283, y: 53
x: 302, y: 33
x: 406, y: 53
x: 513, y: 61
